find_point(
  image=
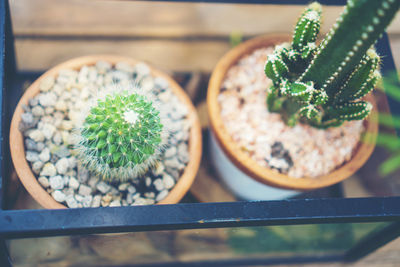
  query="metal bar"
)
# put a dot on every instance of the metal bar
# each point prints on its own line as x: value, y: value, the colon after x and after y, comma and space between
x: 5, y: 260
x: 34, y: 223
x: 248, y: 262
x: 273, y: 2
x: 373, y: 241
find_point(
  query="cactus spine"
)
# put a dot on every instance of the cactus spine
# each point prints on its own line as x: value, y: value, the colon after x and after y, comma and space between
x: 323, y: 85
x: 121, y: 136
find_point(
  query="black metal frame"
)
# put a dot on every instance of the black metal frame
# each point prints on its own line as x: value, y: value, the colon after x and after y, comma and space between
x: 40, y: 223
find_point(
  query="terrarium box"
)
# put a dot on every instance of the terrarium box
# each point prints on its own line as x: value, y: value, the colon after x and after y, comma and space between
x: 181, y: 43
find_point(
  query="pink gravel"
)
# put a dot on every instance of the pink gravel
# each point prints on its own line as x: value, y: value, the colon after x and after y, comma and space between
x: 306, y: 151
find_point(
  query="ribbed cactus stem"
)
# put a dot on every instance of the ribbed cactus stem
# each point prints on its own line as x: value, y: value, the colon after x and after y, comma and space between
x: 121, y: 136
x: 355, y: 31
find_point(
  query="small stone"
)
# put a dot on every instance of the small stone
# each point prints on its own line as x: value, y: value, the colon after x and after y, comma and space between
x: 149, y: 195
x: 78, y: 198
x: 183, y: 153
x: 44, y: 181
x: 115, y: 203
x: 61, y: 106
x: 67, y: 125
x: 158, y: 184
x: 40, y: 146
x: 48, y: 130
x: 71, y: 202
x: 30, y: 144
x: 46, y: 84
x: 32, y: 156
x: 37, y: 167
x: 170, y: 152
x: 73, y: 183
x: 49, y: 110
x: 85, y: 190
x: 159, y: 169
x: 56, y: 182
x: 105, y: 200
x: 58, y: 196
x: 150, y: 201
x: 172, y: 163
x: 103, y: 66
x: 168, y: 181
x: 139, y: 201
x: 66, y: 180
x: 33, y: 101
x: 103, y: 187
x: 37, y: 111
x: 123, y: 66
x: 142, y: 69
x: 147, y: 181
x: 62, y: 166
x: 114, y: 191
x: 45, y: 155
x: 68, y: 191
x: 96, y: 201
x: 27, y: 118
x: 123, y: 187
x: 131, y: 189
x: 83, y: 174
x: 136, y: 196
x: 60, y: 151
x: 36, y: 135
x: 93, y: 182
x: 162, y: 195
x: 57, y: 138
x: 48, y: 170
x: 48, y: 99
x: 87, y: 201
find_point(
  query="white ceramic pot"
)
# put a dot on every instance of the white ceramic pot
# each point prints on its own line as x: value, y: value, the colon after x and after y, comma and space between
x: 240, y: 183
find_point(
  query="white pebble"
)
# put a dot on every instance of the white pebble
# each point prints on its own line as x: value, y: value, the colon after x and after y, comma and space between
x: 45, y: 155
x: 85, y: 190
x: 44, y: 181
x: 46, y: 84
x: 73, y: 183
x: 36, y: 135
x: 168, y: 181
x: 56, y: 182
x: 62, y: 166
x: 103, y: 187
x: 48, y: 170
x: 58, y: 196
x: 162, y: 195
x: 96, y: 201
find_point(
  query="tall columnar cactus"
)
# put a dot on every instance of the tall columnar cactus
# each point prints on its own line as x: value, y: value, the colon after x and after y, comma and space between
x: 121, y: 136
x: 323, y: 85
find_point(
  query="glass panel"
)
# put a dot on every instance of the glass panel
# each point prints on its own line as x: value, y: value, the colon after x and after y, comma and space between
x: 246, y: 243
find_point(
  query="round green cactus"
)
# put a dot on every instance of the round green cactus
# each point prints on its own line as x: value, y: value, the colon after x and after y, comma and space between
x: 121, y: 136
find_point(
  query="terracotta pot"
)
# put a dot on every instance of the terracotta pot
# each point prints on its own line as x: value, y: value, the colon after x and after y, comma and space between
x: 247, y: 165
x: 24, y: 171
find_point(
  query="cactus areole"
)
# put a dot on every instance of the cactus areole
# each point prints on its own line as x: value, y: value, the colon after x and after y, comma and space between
x: 121, y: 136
x: 323, y: 85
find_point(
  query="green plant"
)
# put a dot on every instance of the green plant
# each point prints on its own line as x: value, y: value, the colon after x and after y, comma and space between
x: 323, y: 85
x: 121, y: 136
x: 391, y: 122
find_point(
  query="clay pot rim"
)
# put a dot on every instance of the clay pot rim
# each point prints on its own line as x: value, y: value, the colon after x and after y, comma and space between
x: 17, y: 147
x: 249, y: 166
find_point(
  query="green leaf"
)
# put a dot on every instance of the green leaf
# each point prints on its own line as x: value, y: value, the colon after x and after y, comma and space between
x: 390, y: 165
x: 388, y: 141
x: 389, y: 121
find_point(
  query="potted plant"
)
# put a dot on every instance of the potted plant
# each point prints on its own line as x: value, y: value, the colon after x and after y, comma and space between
x: 300, y: 127
x: 105, y: 131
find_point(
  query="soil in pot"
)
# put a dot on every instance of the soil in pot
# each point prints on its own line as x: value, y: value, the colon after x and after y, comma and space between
x: 50, y: 119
